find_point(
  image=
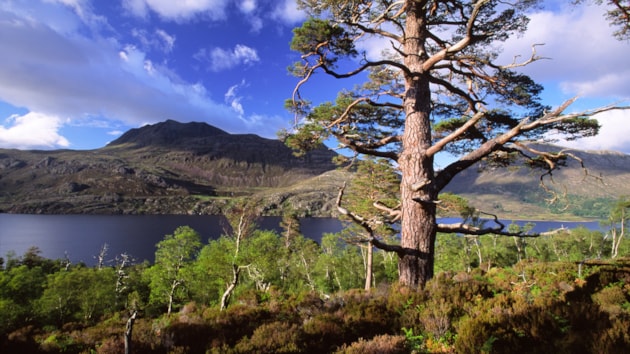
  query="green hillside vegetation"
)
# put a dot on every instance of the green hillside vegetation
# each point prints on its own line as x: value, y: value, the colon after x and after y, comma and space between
x: 260, y: 291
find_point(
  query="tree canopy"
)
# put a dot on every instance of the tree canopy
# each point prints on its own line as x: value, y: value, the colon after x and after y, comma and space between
x: 438, y: 87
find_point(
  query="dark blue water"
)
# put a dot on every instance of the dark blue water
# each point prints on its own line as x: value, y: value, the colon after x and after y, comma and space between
x: 80, y: 237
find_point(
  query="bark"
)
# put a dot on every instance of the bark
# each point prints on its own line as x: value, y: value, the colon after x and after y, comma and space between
x: 307, y: 271
x: 171, y: 295
x: 617, y: 240
x: 128, y: 331
x: 418, y: 221
x: 225, y: 299
x: 368, y: 266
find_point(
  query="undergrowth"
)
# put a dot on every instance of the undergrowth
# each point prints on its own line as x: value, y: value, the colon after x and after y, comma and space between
x: 528, y: 308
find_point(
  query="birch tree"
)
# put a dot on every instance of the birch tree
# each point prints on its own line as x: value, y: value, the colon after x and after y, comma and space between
x: 168, y: 275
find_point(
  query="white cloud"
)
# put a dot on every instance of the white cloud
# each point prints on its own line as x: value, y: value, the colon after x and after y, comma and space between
x: 585, y: 59
x: 248, y: 9
x: 115, y: 132
x: 178, y: 10
x: 222, y: 59
x: 159, y: 39
x: 77, y: 77
x: 136, y: 7
x: 255, y: 23
x: 613, y: 135
x: 32, y: 131
x: 247, y: 6
x: 234, y: 100
x: 288, y: 12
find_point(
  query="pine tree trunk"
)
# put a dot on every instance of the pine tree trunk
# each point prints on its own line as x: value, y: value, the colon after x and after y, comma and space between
x: 418, y: 225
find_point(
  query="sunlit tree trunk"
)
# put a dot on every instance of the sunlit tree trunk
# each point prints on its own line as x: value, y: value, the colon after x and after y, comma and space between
x: 617, y: 240
x: 128, y: 332
x: 368, y: 266
x: 418, y: 226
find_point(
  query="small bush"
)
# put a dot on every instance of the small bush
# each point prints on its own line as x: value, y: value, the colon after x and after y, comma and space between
x: 611, y: 299
x: 382, y: 344
x: 275, y: 337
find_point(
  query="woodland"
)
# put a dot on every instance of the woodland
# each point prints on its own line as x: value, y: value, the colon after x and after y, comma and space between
x: 266, y: 292
x: 394, y: 280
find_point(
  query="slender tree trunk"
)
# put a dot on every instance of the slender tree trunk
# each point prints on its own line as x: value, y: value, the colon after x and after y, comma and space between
x: 617, y: 240
x: 478, y: 248
x: 307, y: 272
x: 225, y: 299
x: 239, y: 233
x: 128, y: 330
x: 418, y: 224
x: 171, y: 295
x: 368, y: 266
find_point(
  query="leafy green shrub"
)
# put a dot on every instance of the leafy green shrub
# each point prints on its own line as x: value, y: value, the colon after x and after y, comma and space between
x: 60, y: 343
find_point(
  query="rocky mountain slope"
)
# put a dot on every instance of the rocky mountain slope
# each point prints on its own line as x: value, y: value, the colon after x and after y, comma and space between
x: 194, y: 168
x: 165, y: 168
x: 583, y: 188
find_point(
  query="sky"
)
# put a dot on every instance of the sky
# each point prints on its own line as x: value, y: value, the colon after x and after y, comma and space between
x: 76, y: 74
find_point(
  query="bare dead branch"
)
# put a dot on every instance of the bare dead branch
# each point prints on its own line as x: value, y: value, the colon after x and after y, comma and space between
x: 534, y: 57
x: 365, y: 224
x: 467, y: 229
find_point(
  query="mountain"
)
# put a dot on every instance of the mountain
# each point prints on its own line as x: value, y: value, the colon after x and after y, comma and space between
x: 164, y: 168
x: 195, y: 168
x: 583, y: 186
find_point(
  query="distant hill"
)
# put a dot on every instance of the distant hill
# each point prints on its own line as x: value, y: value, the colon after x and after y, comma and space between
x: 516, y: 192
x: 164, y: 168
x: 195, y: 168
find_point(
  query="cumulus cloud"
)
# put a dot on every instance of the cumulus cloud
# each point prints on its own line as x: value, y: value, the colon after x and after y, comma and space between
x: 77, y: 77
x: 584, y: 58
x: 222, y: 59
x: 247, y: 6
x: 288, y: 12
x: 178, y: 10
x: 32, y: 131
x: 613, y: 135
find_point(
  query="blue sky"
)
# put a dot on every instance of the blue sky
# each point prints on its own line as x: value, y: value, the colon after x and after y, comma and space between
x: 78, y: 73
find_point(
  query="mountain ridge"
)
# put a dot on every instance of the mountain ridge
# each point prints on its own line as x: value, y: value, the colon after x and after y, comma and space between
x: 164, y: 168
x: 584, y: 184
x: 195, y: 168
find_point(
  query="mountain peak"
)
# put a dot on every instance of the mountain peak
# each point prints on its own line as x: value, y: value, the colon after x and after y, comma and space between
x: 167, y: 133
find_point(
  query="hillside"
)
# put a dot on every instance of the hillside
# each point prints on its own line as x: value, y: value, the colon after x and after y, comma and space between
x: 165, y: 168
x: 516, y: 192
x: 195, y: 168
